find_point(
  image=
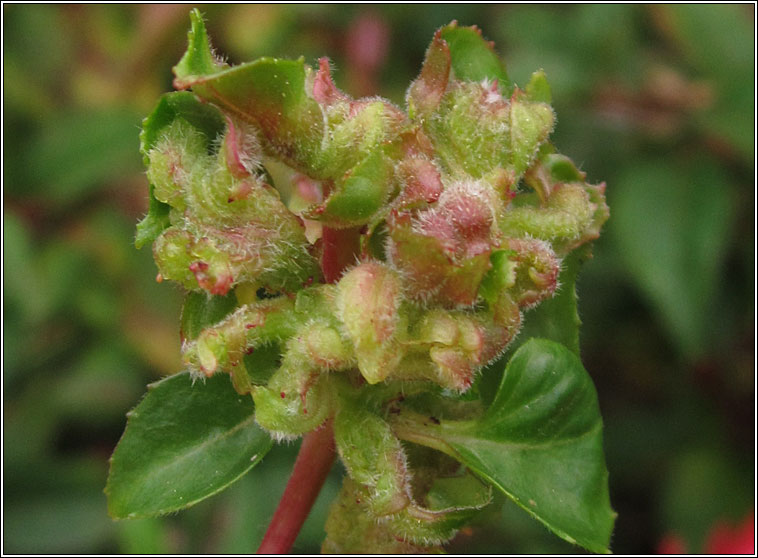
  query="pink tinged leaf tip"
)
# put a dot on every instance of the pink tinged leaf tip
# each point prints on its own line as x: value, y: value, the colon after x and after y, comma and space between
x: 324, y: 90
x: 426, y: 92
x: 421, y: 182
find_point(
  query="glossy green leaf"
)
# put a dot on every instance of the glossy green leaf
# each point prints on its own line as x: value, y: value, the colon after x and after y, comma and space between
x: 473, y: 58
x: 268, y: 92
x: 182, y: 444
x: 540, y: 442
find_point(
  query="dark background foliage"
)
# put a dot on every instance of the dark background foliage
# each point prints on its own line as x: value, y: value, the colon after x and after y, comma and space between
x: 657, y: 100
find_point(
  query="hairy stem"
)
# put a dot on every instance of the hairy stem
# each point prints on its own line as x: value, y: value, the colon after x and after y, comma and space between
x: 314, y: 461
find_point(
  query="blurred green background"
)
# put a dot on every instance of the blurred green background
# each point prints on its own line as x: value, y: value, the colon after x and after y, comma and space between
x: 657, y: 100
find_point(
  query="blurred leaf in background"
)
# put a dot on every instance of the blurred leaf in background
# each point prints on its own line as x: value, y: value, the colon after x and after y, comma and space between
x: 84, y: 326
x: 668, y: 302
x: 657, y: 100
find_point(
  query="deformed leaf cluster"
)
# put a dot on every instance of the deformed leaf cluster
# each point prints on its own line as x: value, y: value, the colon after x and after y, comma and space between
x: 465, y: 217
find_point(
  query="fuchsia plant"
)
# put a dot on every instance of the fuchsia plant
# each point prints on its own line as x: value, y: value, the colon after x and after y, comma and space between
x: 362, y: 273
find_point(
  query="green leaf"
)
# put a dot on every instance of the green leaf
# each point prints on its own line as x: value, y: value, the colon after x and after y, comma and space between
x: 199, y: 59
x: 78, y: 152
x: 358, y: 197
x: 270, y: 93
x: 540, y: 442
x: 203, y: 310
x: 562, y: 169
x: 672, y: 228
x: 154, y: 223
x: 182, y: 444
x: 463, y: 494
x: 473, y: 58
x: 538, y: 89
x: 267, y: 92
x: 180, y: 104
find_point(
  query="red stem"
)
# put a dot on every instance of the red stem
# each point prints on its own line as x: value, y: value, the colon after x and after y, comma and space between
x: 317, y: 451
x: 340, y: 247
x: 314, y: 461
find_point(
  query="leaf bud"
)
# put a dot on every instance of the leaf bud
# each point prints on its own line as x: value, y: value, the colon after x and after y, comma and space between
x: 420, y: 182
x: 368, y: 305
x: 426, y: 92
x: 457, y: 344
x: 286, y: 410
x: 530, y: 125
x: 572, y: 215
x: 299, y: 396
x: 444, y: 251
x: 536, y: 270
x: 373, y: 457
